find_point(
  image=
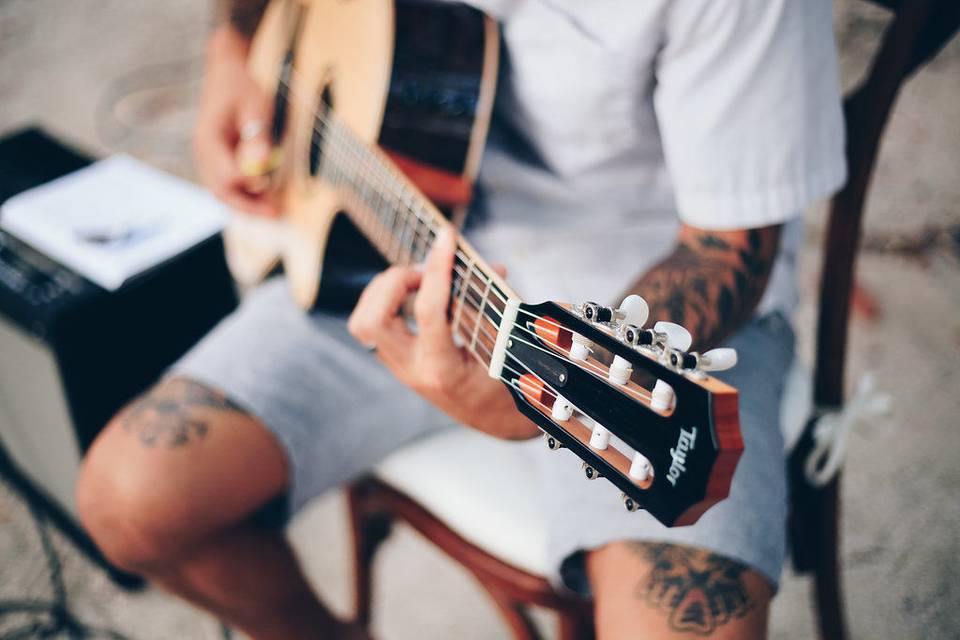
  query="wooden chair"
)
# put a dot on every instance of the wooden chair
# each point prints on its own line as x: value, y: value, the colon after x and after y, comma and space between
x: 512, y: 571
x: 916, y: 33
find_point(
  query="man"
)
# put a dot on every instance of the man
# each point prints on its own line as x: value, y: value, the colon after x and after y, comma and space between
x: 665, y: 148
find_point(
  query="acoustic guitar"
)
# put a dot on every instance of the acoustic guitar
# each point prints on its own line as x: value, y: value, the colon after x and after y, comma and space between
x: 381, y: 109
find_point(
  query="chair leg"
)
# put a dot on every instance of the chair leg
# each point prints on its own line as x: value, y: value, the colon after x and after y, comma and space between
x: 575, y: 626
x: 829, y: 595
x: 369, y: 530
x: 515, y: 616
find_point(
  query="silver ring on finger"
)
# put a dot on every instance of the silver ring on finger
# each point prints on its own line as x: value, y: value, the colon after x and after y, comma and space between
x: 251, y: 130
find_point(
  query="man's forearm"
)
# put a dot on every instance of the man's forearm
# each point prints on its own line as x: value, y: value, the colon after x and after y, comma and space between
x: 243, y: 15
x: 712, y: 282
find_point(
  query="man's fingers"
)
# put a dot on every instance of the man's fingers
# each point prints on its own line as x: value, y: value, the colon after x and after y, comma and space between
x: 376, y: 320
x: 430, y: 307
x: 258, y: 204
x: 256, y: 155
x: 215, y: 159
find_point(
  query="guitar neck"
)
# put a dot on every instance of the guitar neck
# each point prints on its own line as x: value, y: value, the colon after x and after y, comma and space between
x: 402, y: 224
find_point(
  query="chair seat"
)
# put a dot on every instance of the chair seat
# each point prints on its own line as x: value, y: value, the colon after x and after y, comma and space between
x: 481, y: 487
x: 485, y: 490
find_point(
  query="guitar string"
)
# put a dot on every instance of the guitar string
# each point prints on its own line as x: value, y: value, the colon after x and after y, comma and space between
x: 338, y: 134
x: 516, y: 383
x: 390, y: 187
x: 599, y: 372
x: 481, y: 306
x: 469, y: 278
x: 382, y: 174
x: 459, y: 257
x: 371, y: 163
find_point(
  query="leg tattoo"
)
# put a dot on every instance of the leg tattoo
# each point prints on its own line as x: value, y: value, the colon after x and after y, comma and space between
x: 167, y: 416
x: 700, y: 591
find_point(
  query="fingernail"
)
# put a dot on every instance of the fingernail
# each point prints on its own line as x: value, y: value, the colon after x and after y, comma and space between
x: 256, y: 159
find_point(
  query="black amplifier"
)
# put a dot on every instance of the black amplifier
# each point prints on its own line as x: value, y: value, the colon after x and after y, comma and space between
x: 72, y: 353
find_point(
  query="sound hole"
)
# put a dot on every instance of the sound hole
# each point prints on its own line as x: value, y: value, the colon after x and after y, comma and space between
x: 319, y: 133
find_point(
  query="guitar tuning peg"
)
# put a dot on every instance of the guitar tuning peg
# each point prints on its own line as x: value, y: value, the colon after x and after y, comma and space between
x: 662, y: 396
x: 561, y: 411
x: 599, y: 437
x: 677, y: 339
x: 717, y: 359
x: 552, y: 443
x: 640, y: 468
x: 676, y: 336
x: 590, y: 472
x: 594, y: 312
x: 633, y: 310
x: 580, y: 348
x: 620, y: 370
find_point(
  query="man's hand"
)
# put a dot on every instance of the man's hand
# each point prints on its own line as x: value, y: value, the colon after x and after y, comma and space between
x: 429, y: 362
x: 232, y: 143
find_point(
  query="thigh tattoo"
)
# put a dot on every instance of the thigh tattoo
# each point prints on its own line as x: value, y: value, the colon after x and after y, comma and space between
x: 700, y: 591
x: 168, y: 415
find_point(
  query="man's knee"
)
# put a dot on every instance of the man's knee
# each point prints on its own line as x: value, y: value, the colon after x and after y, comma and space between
x: 662, y: 590
x: 176, y: 466
x: 122, y: 507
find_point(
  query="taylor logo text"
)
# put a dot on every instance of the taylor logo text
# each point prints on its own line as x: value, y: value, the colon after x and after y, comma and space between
x: 685, y: 444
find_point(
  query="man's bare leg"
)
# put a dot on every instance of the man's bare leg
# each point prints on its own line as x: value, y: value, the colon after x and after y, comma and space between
x: 657, y: 591
x: 168, y: 490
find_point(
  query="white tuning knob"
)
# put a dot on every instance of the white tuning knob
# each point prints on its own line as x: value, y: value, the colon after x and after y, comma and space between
x: 662, y: 396
x: 620, y: 370
x: 562, y: 410
x: 718, y: 359
x: 640, y: 468
x: 677, y: 336
x: 599, y: 437
x: 634, y: 310
x: 580, y: 349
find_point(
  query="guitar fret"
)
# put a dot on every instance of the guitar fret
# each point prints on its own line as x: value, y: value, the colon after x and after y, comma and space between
x: 396, y: 217
x: 421, y: 238
x: 480, y: 315
x: 464, y: 284
x: 401, y: 240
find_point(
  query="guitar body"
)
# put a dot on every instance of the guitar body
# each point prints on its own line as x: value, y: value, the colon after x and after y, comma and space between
x: 414, y: 77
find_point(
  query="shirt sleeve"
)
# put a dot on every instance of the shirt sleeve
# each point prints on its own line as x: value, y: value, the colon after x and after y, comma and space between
x: 747, y: 99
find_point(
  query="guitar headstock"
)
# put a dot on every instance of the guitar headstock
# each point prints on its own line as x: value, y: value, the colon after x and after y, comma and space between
x: 633, y: 403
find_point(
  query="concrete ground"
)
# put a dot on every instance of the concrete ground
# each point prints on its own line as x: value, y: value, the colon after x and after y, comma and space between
x: 123, y: 76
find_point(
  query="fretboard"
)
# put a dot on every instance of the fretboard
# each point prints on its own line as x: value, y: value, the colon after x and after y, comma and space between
x: 402, y: 225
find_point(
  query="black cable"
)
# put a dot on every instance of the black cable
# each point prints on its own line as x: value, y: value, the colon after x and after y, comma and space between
x: 51, y: 617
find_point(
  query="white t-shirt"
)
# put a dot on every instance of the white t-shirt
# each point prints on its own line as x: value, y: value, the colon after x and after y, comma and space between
x: 616, y: 119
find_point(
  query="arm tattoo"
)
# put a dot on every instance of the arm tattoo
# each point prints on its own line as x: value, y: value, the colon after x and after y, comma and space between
x: 244, y: 15
x: 700, y: 591
x: 712, y: 282
x: 175, y: 413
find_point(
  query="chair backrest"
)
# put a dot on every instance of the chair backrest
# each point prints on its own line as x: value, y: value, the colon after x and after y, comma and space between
x: 917, y: 32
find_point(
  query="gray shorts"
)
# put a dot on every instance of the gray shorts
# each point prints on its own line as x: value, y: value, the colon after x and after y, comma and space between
x: 337, y: 412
